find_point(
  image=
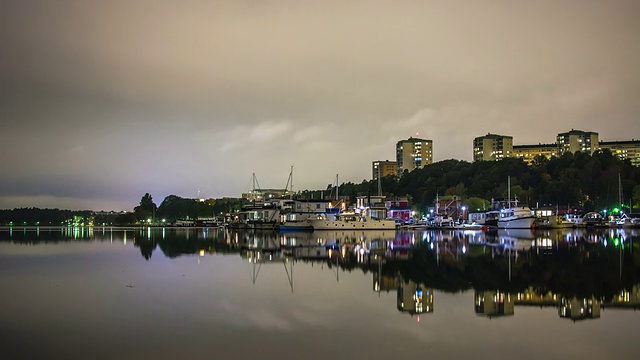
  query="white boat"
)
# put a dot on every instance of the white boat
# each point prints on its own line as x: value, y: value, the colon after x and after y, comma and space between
x: 352, y: 220
x: 516, y: 218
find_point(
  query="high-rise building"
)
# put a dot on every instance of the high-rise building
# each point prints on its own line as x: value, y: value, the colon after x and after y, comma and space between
x: 529, y: 152
x: 383, y: 168
x: 577, y: 140
x: 624, y: 150
x: 413, y: 153
x: 492, y: 147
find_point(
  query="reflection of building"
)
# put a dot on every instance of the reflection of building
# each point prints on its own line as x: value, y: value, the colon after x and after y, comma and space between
x: 383, y: 168
x: 413, y: 154
x: 626, y: 299
x: 531, y: 297
x: 579, y: 309
x: 414, y: 298
x: 493, y: 303
x: 492, y: 147
x: 384, y: 283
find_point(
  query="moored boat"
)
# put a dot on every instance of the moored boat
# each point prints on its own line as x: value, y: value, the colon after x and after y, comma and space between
x: 352, y: 220
x: 516, y: 218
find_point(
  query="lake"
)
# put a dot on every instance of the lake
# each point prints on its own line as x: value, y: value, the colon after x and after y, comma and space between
x: 195, y: 293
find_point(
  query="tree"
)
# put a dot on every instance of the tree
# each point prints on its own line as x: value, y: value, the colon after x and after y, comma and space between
x: 636, y: 197
x: 146, y: 209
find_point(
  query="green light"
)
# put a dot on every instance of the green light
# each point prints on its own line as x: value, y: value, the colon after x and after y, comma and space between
x: 616, y: 210
x: 616, y: 242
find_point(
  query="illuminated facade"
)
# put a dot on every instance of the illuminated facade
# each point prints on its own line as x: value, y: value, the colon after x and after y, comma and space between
x: 492, y: 147
x: 265, y: 195
x: 412, y: 154
x: 529, y: 152
x: 624, y: 150
x: 383, y: 168
x: 577, y: 140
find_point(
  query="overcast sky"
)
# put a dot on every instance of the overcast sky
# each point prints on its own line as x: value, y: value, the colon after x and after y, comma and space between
x: 103, y: 101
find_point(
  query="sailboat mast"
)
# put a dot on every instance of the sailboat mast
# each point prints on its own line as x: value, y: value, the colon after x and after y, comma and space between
x: 619, y: 191
x: 509, y: 191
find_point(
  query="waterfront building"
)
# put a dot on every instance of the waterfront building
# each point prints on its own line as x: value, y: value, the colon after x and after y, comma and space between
x: 266, y: 195
x: 492, y: 147
x: 577, y: 140
x: 529, y: 152
x: 375, y: 204
x: 302, y: 210
x: 399, y: 209
x: 383, y: 168
x: 624, y: 150
x: 412, y: 154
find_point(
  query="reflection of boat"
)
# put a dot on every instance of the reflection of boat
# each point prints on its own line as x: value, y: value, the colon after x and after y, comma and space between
x: 516, y: 218
x: 352, y: 220
x: 516, y: 239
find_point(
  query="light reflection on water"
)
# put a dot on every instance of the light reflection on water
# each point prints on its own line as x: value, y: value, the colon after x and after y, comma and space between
x: 176, y: 292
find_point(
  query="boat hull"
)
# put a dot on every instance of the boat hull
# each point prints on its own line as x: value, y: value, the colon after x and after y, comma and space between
x: 517, y: 223
x: 358, y: 225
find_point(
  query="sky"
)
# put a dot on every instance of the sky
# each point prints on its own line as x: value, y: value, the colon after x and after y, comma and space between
x: 104, y: 101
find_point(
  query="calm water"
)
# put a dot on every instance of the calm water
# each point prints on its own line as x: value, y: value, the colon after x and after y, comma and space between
x: 206, y: 293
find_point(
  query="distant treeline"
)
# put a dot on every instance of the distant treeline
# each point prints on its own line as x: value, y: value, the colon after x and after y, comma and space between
x: 36, y: 216
x: 577, y: 180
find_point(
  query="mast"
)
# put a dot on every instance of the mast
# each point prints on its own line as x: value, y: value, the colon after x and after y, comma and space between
x: 289, y: 181
x: 509, y: 192
x: 619, y: 191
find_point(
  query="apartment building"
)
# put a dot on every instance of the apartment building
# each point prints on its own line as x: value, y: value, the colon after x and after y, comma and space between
x: 382, y: 168
x: 492, y: 147
x: 577, y: 140
x: 412, y: 154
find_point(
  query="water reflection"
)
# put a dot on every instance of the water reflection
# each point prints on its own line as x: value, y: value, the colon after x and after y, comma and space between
x: 579, y: 272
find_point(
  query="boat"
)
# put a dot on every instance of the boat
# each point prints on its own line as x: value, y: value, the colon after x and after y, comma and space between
x: 516, y: 217
x: 352, y: 220
x: 295, y: 225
